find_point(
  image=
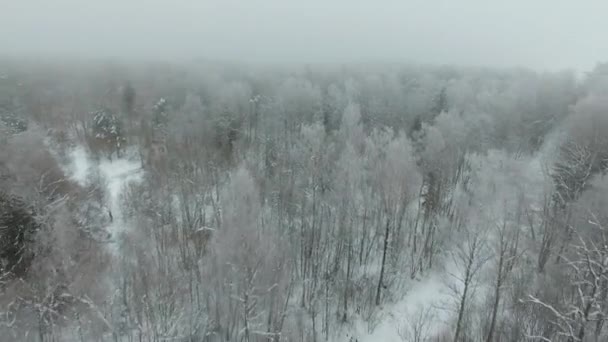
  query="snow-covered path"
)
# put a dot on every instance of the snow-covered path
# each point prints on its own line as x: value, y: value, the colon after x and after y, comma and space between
x: 80, y: 166
x: 426, y: 297
x: 117, y: 174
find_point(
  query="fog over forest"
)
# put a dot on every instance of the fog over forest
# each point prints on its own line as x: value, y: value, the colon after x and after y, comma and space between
x: 542, y: 34
x: 266, y: 171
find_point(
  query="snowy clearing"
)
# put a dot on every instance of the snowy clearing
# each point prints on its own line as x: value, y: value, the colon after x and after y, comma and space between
x: 426, y: 299
x: 116, y: 174
x: 80, y: 165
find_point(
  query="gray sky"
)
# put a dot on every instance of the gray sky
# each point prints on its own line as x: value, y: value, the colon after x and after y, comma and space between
x: 542, y: 34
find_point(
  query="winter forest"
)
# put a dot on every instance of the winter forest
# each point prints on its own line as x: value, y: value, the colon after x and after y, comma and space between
x: 221, y: 202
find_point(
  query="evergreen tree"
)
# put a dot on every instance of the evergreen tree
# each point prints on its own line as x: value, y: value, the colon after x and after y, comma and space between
x: 17, y: 228
x: 107, y: 129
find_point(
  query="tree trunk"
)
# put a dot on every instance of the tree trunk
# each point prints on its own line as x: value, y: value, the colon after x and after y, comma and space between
x: 381, y: 280
x: 496, y: 298
x: 463, y: 300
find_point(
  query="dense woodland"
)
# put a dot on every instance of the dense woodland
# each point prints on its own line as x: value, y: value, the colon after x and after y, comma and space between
x: 302, y: 204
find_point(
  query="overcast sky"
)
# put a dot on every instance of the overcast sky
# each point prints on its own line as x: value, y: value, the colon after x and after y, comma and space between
x: 542, y: 34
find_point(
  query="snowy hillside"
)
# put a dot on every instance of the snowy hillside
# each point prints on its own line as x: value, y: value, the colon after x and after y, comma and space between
x: 208, y: 203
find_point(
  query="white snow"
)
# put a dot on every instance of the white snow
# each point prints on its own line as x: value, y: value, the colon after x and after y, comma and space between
x: 118, y: 173
x: 80, y: 165
x: 431, y: 294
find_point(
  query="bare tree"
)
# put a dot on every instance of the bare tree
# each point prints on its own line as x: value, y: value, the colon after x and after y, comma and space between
x: 587, y: 308
x: 469, y: 257
x: 417, y: 328
x: 506, y: 250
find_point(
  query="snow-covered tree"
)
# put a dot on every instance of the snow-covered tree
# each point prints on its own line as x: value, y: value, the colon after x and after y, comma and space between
x: 107, y: 131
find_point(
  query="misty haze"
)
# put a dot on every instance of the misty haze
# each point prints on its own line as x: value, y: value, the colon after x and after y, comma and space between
x: 307, y: 171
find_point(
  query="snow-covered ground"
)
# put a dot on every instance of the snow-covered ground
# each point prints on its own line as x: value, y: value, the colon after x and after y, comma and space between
x: 426, y: 301
x: 433, y: 296
x: 80, y: 166
x: 116, y: 173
